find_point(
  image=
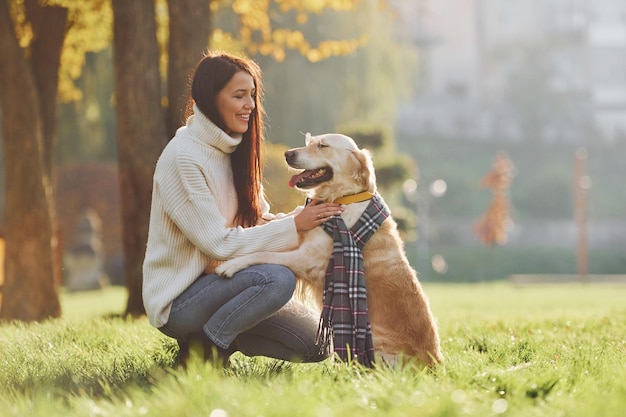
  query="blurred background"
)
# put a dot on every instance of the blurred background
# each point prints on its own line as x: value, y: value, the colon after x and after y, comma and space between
x: 498, y: 128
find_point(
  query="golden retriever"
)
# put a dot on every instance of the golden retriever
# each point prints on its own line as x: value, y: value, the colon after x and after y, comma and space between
x: 402, y: 323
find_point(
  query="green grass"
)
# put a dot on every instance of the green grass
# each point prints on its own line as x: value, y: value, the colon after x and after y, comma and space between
x: 510, y: 351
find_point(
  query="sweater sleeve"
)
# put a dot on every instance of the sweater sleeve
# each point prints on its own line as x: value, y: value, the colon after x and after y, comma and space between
x: 191, y: 203
x: 199, y: 219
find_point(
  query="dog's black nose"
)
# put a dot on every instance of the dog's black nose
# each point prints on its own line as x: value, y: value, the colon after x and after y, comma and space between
x: 289, y: 156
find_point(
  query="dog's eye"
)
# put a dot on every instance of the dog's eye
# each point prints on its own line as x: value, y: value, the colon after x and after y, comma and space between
x: 322, y: 145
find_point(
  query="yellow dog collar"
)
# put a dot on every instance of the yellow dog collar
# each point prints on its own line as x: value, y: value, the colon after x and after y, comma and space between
x: 354, y: 198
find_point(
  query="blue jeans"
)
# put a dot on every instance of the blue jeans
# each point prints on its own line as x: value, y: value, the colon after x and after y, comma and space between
x: 251, y: 312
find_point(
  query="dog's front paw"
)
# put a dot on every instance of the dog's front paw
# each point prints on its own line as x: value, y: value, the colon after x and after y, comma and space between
x: 228, y: 268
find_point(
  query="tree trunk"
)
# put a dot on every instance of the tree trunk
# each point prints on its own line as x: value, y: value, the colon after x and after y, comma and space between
x: 141, y: 132
x: 190, y: 28
x: 29, y: 292
x: 50, y: 27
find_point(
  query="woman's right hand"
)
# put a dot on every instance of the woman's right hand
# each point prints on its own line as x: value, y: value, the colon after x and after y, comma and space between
x: 316, y: 213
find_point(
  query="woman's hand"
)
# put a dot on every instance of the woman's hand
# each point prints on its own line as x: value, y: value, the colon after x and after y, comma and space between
x: 316, y: 213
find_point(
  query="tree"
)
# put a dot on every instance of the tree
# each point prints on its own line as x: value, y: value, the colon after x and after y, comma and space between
x: 189, y: 30
x: 26, y: 98
x: 493, y: 227
x: 32, y: 45
x: 140, y: 128
x: 143, y: 125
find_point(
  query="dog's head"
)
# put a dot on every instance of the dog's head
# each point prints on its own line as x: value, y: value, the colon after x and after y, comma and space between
x: 333, y: 166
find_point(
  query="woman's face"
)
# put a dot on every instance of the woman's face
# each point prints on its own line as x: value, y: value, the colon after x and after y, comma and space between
x: 235, y: 102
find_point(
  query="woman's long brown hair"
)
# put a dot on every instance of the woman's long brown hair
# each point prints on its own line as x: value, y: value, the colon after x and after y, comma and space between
x: 212, y: 73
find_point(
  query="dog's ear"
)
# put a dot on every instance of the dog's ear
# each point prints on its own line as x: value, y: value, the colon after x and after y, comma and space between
x: 365, y: 175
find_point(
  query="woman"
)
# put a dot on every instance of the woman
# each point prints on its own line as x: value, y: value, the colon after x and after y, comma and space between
x: 208, y: 206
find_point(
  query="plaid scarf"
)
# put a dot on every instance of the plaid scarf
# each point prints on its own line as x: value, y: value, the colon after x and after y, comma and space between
x: 344, y: 315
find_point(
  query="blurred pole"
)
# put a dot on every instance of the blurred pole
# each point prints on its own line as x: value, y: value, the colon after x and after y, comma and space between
x: 582, y: 183
x: 409, y: 189
x: 422, y: 201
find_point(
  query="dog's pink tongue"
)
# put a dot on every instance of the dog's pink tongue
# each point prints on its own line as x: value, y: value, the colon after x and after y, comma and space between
x: 294, y: 180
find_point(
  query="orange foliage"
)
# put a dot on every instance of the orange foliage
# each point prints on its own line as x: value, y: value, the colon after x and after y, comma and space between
x: 495, y: 223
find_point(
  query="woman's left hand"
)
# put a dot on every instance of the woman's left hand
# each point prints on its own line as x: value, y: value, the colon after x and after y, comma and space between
x: 316, y: 213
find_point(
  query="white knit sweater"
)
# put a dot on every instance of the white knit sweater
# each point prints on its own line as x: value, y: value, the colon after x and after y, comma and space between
x: 191, y: 220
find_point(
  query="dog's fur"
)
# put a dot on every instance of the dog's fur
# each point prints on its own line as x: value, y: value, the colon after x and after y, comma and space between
x: 400, y: 315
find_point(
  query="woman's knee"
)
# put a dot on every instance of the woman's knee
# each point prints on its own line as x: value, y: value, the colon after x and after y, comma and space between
x: 282, y: 278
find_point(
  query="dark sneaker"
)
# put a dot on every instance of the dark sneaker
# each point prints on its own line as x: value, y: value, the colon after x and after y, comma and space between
x: 199, y: 346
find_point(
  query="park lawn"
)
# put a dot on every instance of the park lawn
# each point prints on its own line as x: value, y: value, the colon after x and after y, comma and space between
x: 510, y: 351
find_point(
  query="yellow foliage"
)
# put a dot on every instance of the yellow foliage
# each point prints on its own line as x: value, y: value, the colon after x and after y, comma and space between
x: 266, y: 48
x: 314, y: 55
x: 215, y: 5
x: 162, y: 32
x: 280, y: 36
x: 23, y: 30
x: 243, y: 7
x: 88, y: 30
x: 295, y: 39
x: 279, y: 54
x: 224, y: 41
x: 302, y: 18
x: 259, y: 37
x: 342, y: 4
x: 316, y: 6
x: 90, y: 24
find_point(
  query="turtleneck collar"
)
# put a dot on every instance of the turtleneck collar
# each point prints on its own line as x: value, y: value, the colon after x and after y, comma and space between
x: 203, y: 129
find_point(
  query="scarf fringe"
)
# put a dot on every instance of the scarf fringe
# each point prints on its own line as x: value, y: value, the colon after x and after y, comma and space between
x: 324, y: 336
